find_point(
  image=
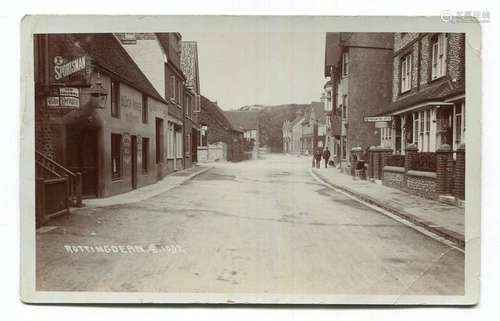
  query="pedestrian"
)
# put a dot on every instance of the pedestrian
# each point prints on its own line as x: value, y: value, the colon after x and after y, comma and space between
x: 326, y: 156
x: 317, y: 156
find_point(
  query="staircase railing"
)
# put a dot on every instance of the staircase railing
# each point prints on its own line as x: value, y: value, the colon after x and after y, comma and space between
x: 48, y: 168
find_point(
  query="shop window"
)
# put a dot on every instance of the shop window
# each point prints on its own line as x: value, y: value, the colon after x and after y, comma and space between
x: 178, y: 144
x: 188, y: 144
x: 439, y: 47
x: 145, y: 155
x: 145, y: 109
x: 115, y: 98
x: 416, y: 126
x: 170, y: 140
x: 116, y: 156
x: 159, y: 139
x: 406, y: 72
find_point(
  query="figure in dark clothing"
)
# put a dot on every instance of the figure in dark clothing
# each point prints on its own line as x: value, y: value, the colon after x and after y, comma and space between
x: 317, y: 157
x: 326, y: 156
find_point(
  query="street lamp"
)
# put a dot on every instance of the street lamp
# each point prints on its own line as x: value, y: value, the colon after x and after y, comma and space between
x: 98, y: 93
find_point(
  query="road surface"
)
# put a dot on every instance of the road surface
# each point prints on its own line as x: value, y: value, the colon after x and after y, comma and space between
x: 261, y: 226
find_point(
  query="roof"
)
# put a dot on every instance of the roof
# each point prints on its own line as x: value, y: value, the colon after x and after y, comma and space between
x: 189, y: 64
x: 106, y: 52
x: 244, y: 120
x: 436, y: 92
x: 214, y: 110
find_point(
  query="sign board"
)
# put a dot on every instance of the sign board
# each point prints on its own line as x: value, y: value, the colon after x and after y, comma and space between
x: 383, y: 124
x: 375, y: 119
x: 69, y: 92
x: 53, y: 101
x: 71, y: 102
x: 71, y: 71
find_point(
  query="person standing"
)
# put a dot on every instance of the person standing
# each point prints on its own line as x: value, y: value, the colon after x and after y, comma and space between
x: 326, y: 156
x: 317, y: 157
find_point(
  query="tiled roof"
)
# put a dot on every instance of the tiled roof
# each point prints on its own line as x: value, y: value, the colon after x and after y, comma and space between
x: 436, y: 92
x: 244, y: 120
x: 189, y: 64
x: 107, y: 52
x: 214, y: 110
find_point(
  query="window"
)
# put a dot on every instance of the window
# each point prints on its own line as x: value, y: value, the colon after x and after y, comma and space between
x: 116, y: 156
x: 179, y: 92
x: 178, y: 144
x: 188, y: 144
x: 172, y: 88
x: 439, y: 46
x: 345, y: 63
x: 159, y: 140
x: 459, y: 124
x: 428, y: 129
x: 187, y: 100
x: 197, y: 106
x: 144, y: 109
x: 170, y: 140
x: 344, y: 107
x: 406, y: 73
x: 115, y: 98
x: 145, y: 154
x: 416, y: 127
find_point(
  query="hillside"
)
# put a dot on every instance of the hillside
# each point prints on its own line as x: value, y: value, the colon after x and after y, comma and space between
x: 271, y: 120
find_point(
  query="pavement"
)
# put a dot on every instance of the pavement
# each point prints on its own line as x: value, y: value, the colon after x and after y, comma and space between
x: 446, y: 221
x: 264, y: 226
x: 165, y: 184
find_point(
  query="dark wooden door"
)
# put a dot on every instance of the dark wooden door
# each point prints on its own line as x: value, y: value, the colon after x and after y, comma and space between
x: 134, y: 160
x: 88, y: 156
x: 81, y: 156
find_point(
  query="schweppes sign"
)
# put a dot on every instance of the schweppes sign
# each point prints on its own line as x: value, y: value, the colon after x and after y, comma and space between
x: 74, y: 71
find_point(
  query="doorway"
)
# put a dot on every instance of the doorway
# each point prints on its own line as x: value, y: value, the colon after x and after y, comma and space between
x: 134, y: 160
x: 81, y: 157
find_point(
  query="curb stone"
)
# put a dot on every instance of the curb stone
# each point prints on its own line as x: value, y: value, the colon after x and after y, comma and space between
x: 456, y: 238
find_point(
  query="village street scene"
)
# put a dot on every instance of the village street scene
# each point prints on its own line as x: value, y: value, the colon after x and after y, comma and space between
x: 148, y: 182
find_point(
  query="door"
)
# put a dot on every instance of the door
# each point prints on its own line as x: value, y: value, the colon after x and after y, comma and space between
x: 133, y: 148
x: 81, y: 157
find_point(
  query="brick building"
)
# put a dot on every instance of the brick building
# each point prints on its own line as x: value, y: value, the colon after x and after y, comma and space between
x: 358, y: 68
x: 216, y: 128
x: 96, y: 115
x: 428, y: 92
x: 190, y: 68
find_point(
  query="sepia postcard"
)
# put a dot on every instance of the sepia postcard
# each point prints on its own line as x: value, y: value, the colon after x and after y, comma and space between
x: 250, y: 159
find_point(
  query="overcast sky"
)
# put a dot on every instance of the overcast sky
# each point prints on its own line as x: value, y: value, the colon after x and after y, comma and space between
x: 238, y: 69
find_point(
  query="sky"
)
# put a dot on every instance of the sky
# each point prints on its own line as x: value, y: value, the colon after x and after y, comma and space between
x: 242, y: 68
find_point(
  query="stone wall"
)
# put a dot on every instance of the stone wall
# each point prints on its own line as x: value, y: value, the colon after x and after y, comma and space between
x: 422, y: 183
x: 394, y: 177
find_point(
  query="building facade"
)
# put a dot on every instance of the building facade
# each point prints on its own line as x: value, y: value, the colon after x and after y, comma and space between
x: 97, y: 114
x: 248, y: 122
x: 428, y: 92
x: 216, y: 128
x: 358, y: 68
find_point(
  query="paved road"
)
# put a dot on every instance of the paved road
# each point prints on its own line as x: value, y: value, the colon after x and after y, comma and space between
x: 261, y: 226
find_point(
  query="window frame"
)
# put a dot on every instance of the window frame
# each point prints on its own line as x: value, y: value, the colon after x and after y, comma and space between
x: 145, y: 109
x: 116, y: 162
x: 145, y: 155
x: 172, y: 88
x: 406, y: 72
x: 115, y: 98
x: 439, y: 55
x: 345, y: 63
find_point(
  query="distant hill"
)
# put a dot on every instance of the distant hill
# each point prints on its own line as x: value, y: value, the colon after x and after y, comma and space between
x: 271, y: 120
